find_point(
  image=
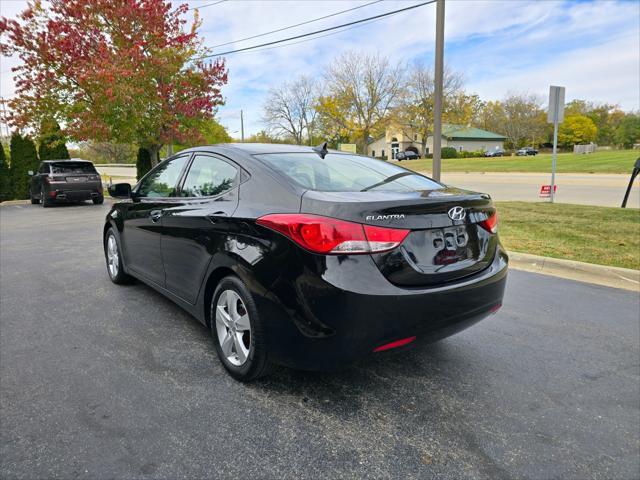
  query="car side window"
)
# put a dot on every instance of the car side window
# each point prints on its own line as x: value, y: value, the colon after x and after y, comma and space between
x: 161, y: 182
x: 44, y: 168
x: 209, y: 177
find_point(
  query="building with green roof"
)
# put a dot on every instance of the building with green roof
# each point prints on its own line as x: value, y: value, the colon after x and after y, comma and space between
x: 460, y: 137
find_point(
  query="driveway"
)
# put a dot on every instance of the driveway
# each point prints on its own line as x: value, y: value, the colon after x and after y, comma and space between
x: 103, y: 381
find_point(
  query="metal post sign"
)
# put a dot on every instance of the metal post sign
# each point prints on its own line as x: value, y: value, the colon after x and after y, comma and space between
x: 556, y: 105
x: 555, y: 115
x: 545, y: 191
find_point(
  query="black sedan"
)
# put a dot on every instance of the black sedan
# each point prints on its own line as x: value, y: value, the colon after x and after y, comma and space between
x: 305, y: 257
x: 497, y: 152
x: 408, y: 155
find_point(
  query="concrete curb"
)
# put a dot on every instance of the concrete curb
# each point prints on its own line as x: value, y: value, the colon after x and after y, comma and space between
x: 15, y: 202
x: 28, y: 202
x: 615, y: 277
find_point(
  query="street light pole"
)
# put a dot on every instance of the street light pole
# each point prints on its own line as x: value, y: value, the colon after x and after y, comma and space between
x: 438, y: 91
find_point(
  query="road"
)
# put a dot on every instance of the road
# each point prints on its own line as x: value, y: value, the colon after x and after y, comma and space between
x: 104, y: 381
x: 605, y: 190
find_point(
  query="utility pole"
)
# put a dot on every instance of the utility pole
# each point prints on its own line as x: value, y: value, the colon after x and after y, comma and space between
x: 241, y: 126
x: 438, y: 91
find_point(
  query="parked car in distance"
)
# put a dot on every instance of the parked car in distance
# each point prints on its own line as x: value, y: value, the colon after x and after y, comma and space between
x: 407, y: 155
x: 65, y: 181
x: 526, y: 151
x: 306, y: 257
x: 497, y: 152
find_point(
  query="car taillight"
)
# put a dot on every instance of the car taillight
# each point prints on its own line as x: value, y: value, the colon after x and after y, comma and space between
x: 332, y: 236
x: 491, y: 223
x: 396, y: 344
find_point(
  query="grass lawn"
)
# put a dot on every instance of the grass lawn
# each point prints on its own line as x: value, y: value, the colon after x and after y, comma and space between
x: 602, y: 235
x: 615, y: 161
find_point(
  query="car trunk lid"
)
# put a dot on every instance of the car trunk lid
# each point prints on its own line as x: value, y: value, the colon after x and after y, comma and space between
x: 438, y: 248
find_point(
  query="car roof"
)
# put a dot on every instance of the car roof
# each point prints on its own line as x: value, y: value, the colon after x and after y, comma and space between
x: 74, y: 160
x: 258, y: 148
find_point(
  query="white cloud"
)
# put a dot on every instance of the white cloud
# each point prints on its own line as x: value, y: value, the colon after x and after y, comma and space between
x: 609, y: 73
x: 500, y: 46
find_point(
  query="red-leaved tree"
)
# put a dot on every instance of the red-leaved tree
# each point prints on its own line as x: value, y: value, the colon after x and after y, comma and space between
x: 124, y: 71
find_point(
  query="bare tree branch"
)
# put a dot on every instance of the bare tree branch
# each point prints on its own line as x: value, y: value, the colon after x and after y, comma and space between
x: 290, y: 109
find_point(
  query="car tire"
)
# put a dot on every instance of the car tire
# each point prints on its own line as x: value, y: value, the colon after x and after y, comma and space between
x: 233, y: 310
x: 45, y: 201
x: 113, y: 258
x: 98, y: 201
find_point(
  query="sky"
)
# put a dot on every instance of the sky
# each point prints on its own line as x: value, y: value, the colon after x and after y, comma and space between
x: 500, y: 46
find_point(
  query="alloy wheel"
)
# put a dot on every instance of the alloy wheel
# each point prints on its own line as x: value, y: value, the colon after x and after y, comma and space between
x: 113, y: 260
x: 233, y: 327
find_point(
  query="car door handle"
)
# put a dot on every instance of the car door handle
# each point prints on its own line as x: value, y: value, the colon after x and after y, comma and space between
x: 155, y: 215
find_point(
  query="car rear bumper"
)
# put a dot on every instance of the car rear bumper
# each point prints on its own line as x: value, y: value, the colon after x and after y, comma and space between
x: 331, y: 320
x: 75, y: 192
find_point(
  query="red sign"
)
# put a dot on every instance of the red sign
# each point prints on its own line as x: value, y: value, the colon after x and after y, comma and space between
x: 545, y: 190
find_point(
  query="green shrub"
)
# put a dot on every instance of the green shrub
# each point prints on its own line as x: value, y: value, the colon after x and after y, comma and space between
x: 23, y: 158
x: 143, y: 162
x: 449, y: 152
x: 472, y: 154
x: 52, y: 145
x: 5, y: 181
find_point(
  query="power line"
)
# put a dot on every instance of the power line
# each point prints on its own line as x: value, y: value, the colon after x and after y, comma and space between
x: 207, y: 5
x: 310, y: 39
x: 296, y: 25
x: 393, y: 12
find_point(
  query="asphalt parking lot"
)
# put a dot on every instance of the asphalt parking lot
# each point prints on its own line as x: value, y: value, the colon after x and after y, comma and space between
x: 102, y: 381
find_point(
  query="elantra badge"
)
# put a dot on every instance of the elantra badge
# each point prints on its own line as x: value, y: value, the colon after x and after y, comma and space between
x: 370, y: 218
x: 457, y: 213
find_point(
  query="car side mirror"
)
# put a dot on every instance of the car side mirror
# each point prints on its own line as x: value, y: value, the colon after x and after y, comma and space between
x: 30, y: 173
x: 120, y: 190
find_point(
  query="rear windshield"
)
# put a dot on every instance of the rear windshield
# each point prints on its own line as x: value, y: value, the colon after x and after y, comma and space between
x: 346, y: 173
x: 73, y: 167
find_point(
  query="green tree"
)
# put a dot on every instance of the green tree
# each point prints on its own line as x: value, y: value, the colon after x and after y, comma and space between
x: 606, y: 118
x: 628, y: 131
x: 462, y: 109
x: 23, y: 158
x: 577, y: 107
x: 52, y: 146
x: 5, y: 181
x: 264, y: 137
x: 577, y: 129
x: 143, y: 162
x: 211, y: 132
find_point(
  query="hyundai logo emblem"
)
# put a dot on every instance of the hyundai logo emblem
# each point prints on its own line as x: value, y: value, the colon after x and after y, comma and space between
x: 457, y: 213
